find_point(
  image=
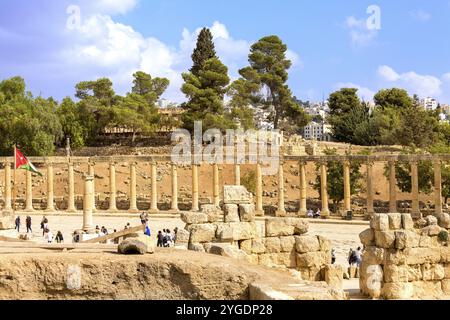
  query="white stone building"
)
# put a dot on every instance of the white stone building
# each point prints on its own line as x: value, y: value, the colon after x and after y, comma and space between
x: 317, y: 131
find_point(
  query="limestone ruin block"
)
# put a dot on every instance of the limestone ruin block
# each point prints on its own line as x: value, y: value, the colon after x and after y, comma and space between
x: 445, y: 254
x: 380, y: 222
x: 247, y: 212
x: 432, y: 230
x: 334, y: 275
x: 213, y: 213
x: 196, y: 247
x: 278, y: 259
x: 432, y: 272
x: 395, y: 221
x: 444, y: 220
x: 304, y: 244
x: 273, y: 245
x: 367, y: 237
x: 394, y: 273
x: 406, y: 239
x: 7, y: 223
x: 202, y: 232
x: 325, y: 244
x: 414, y: 273
x: 373, y: 255
x: 236, y: 231
x: 422, y: 255
x: 231, y: 212
x: 236, y: 195
x: 194, y: 217
x: 132, y: 246
x: 427, y: 289
x: 276, y: 227
x: 287, y: 243
x: 431, y: 220
x: 183, y: 236
x: 226, y: 250
x: 313, y: 259
x: 397, y: 290
x: 385, y: 239
x: 407, y: 221
x: 446, y: 286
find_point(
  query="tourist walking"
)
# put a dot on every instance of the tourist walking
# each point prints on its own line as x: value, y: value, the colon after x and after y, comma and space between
x: 147, y: 231
x: 28, y: 222
x: 333, y: 256
x: 160, y: 238
x: 144, y: 217
x: 44, y: 224
x: 48, y: 235
x: 18, y: 224
x: 175, y: 233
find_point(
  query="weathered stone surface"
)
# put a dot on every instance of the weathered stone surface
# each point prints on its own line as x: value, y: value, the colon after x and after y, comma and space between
x: 246, y: 246
x: 446, y: 286
x: 447, y: 270
x: 380, y: 222
x: 395, y: 221
x: 385, y: 239
x: 427, y: 241
x: 305, y: 243
x: 146, y: 240
x: 432, y: 272
x: 422, y: 255
x: 276, y: 227
x: 406, y: 239
x: 407, y: 221
x: 273, y: 245
x: 313, y: 259
x: 367, y: 237
x: 444, y: 220
x: 333, y: 275
x: 198, y: 247
x: 373, y: 256
x: 258, y: 246
x: 371, y: 279
x: 261, y: 292
x: 7, y: 223
x: 278, y: 259
x: 203, y: 232
x: 398, y: 290
x: 210, y: 209
x: 226, y: 250
x: 431, y: 220
x: 414, y: 273
x: 287, y: 243
x: 193, y: 217
x: 395, y: 273
x: 247, y: 212
x: 236, y: 231
x: 324, y: 244
x: 231, y: 212
x: 311, y: 274
x: 445, y: 254
x: 236, y: 195
x: 432, y: 230
x: 132, y: 246
x: 394, y: 256
x: 224, y: 232
x: 427, y: 289
x: 183, y: 236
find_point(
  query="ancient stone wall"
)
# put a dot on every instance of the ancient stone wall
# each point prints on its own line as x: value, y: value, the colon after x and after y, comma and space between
x: 233, y: 232
x: 404, y: 259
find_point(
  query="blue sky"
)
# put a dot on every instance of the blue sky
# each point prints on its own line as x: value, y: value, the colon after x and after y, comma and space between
x: 329, y: 42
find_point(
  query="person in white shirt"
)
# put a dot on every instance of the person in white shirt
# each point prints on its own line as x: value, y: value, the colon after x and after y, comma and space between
x: 48, y: 236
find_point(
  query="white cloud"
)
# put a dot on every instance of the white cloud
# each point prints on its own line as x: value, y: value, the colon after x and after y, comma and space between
x: 423, y: 85
x: 113, y: 6
x: 420, y: 15
x: 364, y: 93
x: 360, y: 34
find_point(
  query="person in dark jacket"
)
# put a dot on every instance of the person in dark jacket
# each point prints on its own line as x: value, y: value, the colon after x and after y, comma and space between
x: 18, y: 224
x: 59, y: 237
x: 28, y: 221
x: 160, y: 238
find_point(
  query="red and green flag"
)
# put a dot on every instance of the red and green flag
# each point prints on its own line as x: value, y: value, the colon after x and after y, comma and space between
x: 23, y: 163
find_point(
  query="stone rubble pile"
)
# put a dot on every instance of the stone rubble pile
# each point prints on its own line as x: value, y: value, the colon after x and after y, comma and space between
x: 276, y: 242
x: 403, y: 262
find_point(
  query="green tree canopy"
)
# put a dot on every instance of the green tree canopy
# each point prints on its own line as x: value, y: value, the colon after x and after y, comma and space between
x: 203, y: 52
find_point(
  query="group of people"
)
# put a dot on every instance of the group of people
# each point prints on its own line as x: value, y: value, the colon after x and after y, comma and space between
x: 166, y: 238
x: 310, y: 214
x: 46, y: 232
x: 28, y: 224
x: 355, y: 257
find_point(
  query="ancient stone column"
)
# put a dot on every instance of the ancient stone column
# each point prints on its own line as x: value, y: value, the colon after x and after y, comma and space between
x: 29, y: 192
x: 154, y: 200
x: 216, y: 190
x: 88, y: 204
x: 259, y: 197
x: 237, y: 174
x: 281, y: 212
x: 323, y: 190
x: 71, y: 201
x: 347, y: 190
x: 415, y: 209
x: 195, y: 193
x: 437, y: 187
x: 370, y: 193
x: 91, y: 171
x: 392, y: 188
x: 133, y: 199
x: 174, y: 188
x: 302, y: 175
x: 50, y: 194
x: 7, y: 194
x: 112, y: 187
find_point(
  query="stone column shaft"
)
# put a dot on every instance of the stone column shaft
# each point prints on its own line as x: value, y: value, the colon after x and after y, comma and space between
x: 92, y: 173
x: 347, y: 190
x: 29, y: 192
x: 438, y: 187
x: 71, y: 201
x: 237, y: 174
x: 324, y: 191
x: 302, y: 175
x: 88, y: 204
x: 154, y: 200
x: 50, y: 194
x: 259, y: 197
x: 174, y: 188
x: 281, y: 212
x: 216, y: 190
x: 7, y: 195
x: 112, y: 187
x: 370, y: 193
x: 392, y: 188
x: 415, y: 209
x: 195, y: 193
x: 133, y: 197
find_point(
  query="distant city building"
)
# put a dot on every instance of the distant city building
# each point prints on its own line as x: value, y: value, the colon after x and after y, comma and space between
x: 317, y: 131
x: 164, y: 103
x: 430, y: 104
x: 445, y: 109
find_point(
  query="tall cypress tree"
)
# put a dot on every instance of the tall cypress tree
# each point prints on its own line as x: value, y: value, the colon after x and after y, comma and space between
x: 203, y: 52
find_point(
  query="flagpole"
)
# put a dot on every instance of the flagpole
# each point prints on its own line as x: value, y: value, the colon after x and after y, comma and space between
x: 14, y: 185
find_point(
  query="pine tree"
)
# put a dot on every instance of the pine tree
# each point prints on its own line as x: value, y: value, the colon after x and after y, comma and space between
x: 203, y: 52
